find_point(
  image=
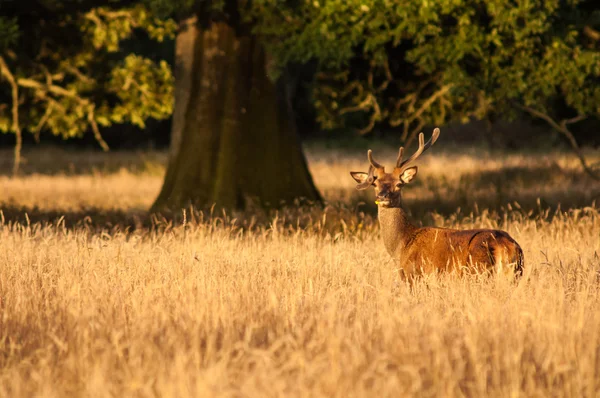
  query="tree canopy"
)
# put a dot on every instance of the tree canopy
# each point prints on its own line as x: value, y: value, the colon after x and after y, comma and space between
x: 420, y: 62
x: 64, y: 70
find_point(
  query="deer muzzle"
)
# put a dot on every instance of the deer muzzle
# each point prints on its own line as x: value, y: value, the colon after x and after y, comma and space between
x: 383, y: 199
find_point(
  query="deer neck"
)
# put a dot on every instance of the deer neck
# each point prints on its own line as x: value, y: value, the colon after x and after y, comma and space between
x: 396, y: 229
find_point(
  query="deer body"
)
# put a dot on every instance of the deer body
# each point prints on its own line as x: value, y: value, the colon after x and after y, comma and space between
x: 427, y: 250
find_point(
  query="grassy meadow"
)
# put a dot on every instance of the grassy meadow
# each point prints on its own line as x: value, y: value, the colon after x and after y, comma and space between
x: 98, y: 299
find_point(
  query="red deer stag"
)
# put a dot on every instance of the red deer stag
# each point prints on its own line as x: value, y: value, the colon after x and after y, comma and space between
x: 427, y: 250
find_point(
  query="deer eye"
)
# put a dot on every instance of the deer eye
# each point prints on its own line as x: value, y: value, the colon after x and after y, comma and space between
x: 399, y: 185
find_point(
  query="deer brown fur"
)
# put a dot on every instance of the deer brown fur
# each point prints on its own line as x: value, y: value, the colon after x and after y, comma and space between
x: 428, y: 250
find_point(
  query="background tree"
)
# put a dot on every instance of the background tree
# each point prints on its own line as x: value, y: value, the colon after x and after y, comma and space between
x: 64, y: 70
x: 415, y: 63
x: 232, y: 137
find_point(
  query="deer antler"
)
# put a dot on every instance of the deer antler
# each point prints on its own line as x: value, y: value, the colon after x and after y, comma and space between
x: 399, y: 160
x: 374, y: 168
x: 401, y: 165
x: 380, y: 168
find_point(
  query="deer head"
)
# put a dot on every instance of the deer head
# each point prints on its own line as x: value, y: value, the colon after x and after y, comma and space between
x: 388, y: 186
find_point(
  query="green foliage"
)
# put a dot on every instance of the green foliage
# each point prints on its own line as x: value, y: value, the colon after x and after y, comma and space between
x: 9, y: 32
x: 141, y: 87
x: 403, y: 64
x: 107, y: 28
x: 77, y: 75
x: 419, y: 62
x: 182, y: 8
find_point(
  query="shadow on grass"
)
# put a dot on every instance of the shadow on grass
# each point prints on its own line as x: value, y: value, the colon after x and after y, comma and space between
x: 529, y: 191
x: 92, y: 218
x: 53, y: 161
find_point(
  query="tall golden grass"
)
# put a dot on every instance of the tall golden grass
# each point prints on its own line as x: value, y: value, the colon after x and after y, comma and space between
x: 223, y: 305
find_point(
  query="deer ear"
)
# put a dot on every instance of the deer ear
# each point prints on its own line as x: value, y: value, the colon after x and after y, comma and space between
x: 362, y: 179
x: 408, y: 174
x: 359, y: 176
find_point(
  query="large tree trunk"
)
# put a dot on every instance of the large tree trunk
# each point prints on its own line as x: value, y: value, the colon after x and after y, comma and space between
x: 232, y: 136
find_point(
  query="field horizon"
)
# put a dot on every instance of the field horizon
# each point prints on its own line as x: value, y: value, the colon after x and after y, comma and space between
x: 98, y: 298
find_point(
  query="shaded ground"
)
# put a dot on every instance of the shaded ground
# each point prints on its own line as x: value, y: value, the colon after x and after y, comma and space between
x: 112, y: 191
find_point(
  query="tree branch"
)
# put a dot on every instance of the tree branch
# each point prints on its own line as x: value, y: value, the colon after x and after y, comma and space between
x: 431, y: 100
x: 591, y: 33
x: 407, y: 137
x: 96, y: 131
x: 42, y: 122
x: 4, y: 71
x: 365, y: 105
x: 562, y: 128
x: 30, y: 83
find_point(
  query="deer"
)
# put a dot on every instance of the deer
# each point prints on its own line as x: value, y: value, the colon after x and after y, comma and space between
x: 427, y: 250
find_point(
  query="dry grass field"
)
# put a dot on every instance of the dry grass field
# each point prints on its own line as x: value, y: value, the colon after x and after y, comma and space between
x: 98, y: 299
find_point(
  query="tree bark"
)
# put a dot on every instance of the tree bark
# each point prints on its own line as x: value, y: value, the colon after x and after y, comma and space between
x: 232, y: 136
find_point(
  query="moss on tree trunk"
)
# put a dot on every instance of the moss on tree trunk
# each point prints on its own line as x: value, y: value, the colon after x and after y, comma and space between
x: 232, y: 138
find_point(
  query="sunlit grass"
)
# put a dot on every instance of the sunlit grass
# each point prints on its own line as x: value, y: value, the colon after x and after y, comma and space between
x: 207, y: 308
